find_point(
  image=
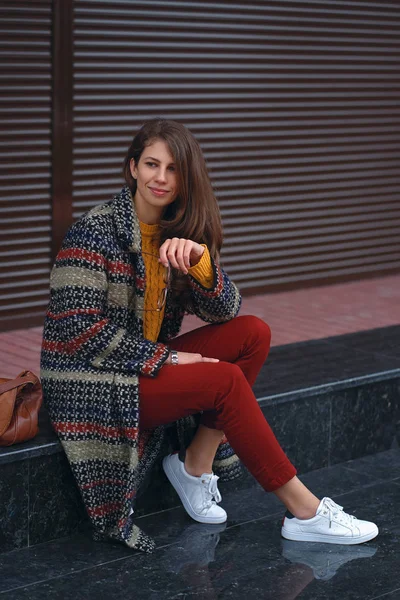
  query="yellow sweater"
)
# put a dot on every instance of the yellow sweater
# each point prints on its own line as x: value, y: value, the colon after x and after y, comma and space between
x: 155, y: 271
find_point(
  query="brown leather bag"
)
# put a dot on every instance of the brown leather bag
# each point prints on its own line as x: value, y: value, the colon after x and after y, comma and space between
x: 20, y: 401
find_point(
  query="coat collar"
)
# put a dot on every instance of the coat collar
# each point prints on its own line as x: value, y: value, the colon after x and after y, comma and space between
x: 126, y: 221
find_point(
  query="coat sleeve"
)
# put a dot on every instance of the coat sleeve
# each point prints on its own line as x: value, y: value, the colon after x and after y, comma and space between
x: 77, y: 310
x: 219, y: 303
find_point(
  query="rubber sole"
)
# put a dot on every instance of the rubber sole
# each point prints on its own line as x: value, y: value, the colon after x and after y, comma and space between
x: 328, y: 539
x: 174, y: 481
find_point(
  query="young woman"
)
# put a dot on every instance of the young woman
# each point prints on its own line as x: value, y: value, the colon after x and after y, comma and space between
x: 114, y: 372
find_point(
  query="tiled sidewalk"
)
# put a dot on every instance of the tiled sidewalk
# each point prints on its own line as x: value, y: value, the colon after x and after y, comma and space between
x: 293, y: 316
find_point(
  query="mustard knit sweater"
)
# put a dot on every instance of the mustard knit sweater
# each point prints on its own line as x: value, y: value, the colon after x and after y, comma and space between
x: 155, y: 271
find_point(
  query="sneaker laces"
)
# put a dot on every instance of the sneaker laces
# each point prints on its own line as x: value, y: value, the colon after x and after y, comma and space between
x: 336, y: 511
x: 212, y: 494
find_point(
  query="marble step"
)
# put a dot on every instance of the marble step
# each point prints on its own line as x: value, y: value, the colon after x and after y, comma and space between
x: 245, y: 557
x: 328, y: 401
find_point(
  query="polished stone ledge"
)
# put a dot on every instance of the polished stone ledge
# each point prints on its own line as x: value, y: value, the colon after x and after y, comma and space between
x: 326, y: 388
x: 317, y: 425
x: 317, y: 368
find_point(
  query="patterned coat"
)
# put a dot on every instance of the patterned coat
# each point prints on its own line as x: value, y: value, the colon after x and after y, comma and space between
x: 93, y: 352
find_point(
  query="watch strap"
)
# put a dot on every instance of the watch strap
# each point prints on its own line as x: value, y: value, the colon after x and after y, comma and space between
x: 174, y: 357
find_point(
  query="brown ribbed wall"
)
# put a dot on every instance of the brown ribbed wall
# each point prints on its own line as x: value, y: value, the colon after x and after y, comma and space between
x: 296, y: 105
x: 25, y: 160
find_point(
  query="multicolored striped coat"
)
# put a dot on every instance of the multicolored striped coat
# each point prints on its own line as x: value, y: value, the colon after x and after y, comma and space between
x: 93, y: 352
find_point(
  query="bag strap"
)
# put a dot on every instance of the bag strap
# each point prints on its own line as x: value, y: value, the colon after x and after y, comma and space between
x: 14, y: 383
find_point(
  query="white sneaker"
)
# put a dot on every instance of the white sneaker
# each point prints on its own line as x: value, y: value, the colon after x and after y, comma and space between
x: 199, y: 495
x: 330, y: 525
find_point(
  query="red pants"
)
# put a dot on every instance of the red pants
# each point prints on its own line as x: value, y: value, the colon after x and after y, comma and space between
x: 224, y: 392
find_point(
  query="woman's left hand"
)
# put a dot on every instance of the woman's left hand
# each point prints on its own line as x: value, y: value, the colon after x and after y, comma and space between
x: 181, y: 254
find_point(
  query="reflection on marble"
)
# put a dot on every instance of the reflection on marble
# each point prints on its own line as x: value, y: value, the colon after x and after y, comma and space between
x: 324, y: 559
x: 246, y: 558
x: 194, y: 548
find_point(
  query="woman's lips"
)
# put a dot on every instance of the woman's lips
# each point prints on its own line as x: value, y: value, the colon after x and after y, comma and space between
x: 158, y: 192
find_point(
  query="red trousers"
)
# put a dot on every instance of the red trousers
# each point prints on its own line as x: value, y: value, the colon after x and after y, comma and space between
x: 224, y: 392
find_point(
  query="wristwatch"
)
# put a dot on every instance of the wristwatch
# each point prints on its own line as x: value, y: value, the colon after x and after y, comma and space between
x: 174, y: 357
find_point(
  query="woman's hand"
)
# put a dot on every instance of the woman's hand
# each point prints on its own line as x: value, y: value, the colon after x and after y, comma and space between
x: 181, y: 254
x: 188, y: 358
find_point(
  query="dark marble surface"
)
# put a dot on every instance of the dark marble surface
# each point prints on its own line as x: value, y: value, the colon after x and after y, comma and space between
x: 246, y: 556
x: 381, y: 466
x: 55, y: 505
x: 339, y: 425
x: 384, y: 341
x: 291, y: 371
x: 331, y: 363
x: 39, y: 501
x: 302, y: 428
x: 315, y: 432
x: 365, y: 420
x: 318, y: 424
x: 14, y: 506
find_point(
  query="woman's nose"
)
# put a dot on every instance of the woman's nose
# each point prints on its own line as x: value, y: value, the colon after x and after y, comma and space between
x: 161, y: 174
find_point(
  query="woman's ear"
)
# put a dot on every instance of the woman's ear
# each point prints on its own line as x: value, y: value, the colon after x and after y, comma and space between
x: 133, y: 168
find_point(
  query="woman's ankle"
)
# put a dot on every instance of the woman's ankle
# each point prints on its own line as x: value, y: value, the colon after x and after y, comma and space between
x: 305, y: 513
x: 298, y: 499
x: 195, y: 471
x: 194, y: 468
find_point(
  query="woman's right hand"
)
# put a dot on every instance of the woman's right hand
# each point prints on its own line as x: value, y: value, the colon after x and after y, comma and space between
x: 188, y: 358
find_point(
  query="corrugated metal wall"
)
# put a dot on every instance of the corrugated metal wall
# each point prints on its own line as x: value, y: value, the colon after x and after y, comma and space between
x: 25, y: 159
x: 296, y: 104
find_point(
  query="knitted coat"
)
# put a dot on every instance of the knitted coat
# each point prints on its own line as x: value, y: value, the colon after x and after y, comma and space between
x: 93, y: 352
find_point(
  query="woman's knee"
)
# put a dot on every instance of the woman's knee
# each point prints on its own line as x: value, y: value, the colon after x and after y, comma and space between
x: 256, y: 327
x: 234, y: 389
x: 230, y: 374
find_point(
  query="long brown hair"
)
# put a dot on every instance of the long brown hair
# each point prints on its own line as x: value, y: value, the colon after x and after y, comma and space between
x: 194, y: 214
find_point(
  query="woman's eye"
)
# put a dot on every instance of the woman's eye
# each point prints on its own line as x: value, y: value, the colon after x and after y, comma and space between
x: 152, y: 164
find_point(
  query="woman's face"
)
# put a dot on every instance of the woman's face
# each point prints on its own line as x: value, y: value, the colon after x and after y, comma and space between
x: 156, y: 178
